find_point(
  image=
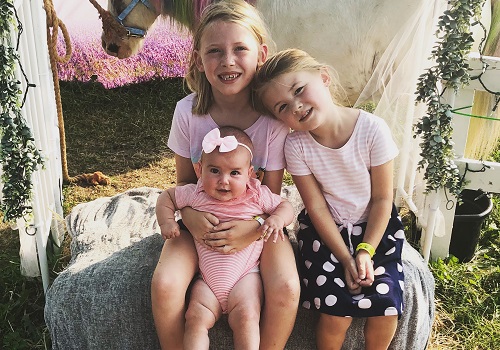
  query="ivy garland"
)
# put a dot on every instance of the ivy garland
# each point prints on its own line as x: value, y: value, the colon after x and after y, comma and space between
x: 451, y: 70
x: 18, y: 153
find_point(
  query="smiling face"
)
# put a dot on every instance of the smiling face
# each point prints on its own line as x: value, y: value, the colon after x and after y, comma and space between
x: 300, y: 99
x: 229, y: 54
x: 225, y: 175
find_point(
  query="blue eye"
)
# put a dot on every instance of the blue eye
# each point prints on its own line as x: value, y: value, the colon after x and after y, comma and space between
x: 214, y: 170
x: 299, y: 90
x: 235, y: 173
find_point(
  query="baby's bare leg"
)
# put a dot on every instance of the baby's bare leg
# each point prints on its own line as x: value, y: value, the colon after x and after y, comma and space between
x: 202, y: 313
x: 244, y: 305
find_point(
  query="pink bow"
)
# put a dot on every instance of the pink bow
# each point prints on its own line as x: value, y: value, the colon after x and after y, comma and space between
x: 213, y: 139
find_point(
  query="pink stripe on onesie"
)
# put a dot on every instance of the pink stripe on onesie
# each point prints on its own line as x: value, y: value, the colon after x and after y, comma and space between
x: 222, y: 271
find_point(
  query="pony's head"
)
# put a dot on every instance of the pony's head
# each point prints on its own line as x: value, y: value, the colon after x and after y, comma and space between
x: 125, y: 25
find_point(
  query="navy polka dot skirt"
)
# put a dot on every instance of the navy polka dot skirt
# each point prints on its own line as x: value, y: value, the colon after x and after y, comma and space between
x: 322, y: 275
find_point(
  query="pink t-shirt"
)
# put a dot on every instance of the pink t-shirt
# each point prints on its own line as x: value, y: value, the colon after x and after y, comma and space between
x: 344, y: 173
x: 188, y: 130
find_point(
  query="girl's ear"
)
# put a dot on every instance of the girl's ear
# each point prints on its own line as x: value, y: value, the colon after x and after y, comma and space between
x: 263, y: 54
x: 325, y: 76
x: 197, y: 169
x: 198, y: 60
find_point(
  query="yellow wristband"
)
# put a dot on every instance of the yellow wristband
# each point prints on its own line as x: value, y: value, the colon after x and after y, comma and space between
x: 366, y: 246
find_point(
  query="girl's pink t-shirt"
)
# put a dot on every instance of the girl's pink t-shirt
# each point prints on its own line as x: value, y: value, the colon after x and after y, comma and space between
x: 343, y: 174
x: 187, y: 132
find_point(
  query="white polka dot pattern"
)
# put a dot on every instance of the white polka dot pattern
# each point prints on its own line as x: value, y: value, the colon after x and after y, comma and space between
x: 400, y: 234
x: 316, y: 245
x: 391, y: 311
x: 390, y: 251
x: 330, y: 300
x: 320, y: 280
x: 365, y: 304
x: 339, y: 282
x: 382, y: 288
x: 327, y: 289
x: 328, y: 266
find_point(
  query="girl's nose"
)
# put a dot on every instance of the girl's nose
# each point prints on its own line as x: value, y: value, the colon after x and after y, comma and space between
x: 297, y: 107
x: 228, y: 60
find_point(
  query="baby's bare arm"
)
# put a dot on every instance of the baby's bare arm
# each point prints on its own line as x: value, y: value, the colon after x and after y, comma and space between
x: 165, y: 214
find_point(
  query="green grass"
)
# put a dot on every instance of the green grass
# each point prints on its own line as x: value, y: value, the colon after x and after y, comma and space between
x: 123, y: 133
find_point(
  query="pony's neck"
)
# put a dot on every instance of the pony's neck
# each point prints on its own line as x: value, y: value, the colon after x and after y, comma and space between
x: 158, y: 5
x: 186, y: 12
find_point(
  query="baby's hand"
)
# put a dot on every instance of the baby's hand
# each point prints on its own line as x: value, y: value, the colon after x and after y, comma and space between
x: 273, y: 226
x: 170, y: 229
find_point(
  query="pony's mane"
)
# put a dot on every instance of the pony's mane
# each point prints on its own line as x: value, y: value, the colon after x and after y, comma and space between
x: 187, y: 12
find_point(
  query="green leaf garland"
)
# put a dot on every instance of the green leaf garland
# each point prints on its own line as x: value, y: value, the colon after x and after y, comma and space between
x: 451, y: 69
x: 18, y: 153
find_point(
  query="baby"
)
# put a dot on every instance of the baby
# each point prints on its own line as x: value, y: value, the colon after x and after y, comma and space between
x: 227, y: 188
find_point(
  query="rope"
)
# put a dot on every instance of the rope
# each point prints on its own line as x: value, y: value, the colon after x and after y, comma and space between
x: 53, y: 25
x: 110, y: 25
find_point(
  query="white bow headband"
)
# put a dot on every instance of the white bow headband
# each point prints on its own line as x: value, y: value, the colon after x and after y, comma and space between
x: 225, y: 144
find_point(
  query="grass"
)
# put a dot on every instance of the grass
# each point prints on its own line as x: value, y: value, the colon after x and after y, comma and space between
x: 123, y: 133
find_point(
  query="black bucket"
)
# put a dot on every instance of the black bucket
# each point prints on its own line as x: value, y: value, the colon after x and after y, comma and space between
x: 469, y: 217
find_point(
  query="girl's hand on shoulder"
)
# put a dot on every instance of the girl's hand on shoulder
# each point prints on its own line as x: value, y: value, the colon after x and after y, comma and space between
x: 232, y: 236
x: 364, y: 265
x: 198, y: 223
x: 351, y: 277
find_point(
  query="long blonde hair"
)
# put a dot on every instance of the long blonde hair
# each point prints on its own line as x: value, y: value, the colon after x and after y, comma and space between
x: 235, y: 11
x: 288, y: 61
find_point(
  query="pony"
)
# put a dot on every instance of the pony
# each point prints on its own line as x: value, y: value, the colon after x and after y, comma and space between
x: 351, y: 36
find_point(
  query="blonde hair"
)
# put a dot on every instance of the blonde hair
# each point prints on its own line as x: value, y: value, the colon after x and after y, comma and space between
x: 288, y: 61
x: 235, y: 11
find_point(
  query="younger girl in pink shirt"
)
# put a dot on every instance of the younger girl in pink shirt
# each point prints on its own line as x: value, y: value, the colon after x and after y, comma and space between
x: 350, y: 236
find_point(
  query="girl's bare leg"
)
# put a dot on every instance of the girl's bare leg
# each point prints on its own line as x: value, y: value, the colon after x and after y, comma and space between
x: 203, y: 311
x: 244, y: 305
x: 379, y: 332
x: 330, y: 331
x: 281, y: 294
x: 176, y: 267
